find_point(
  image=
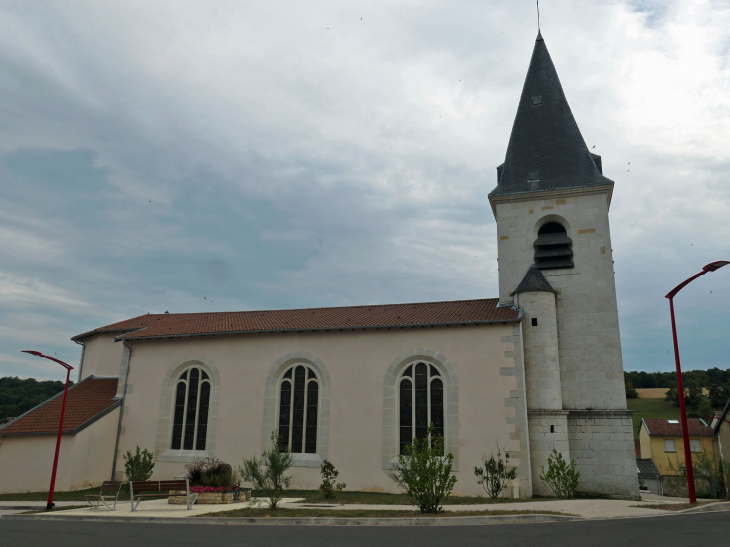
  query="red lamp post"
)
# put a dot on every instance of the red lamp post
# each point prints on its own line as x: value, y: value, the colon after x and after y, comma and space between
x: 680, y: 386
x: 69, y: 368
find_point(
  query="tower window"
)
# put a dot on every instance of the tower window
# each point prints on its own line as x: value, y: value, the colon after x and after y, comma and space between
x: 553, y: 247
x: 532, y: 175
x: 537, y: 100
x: 552, y: 429
x: 534, y: 321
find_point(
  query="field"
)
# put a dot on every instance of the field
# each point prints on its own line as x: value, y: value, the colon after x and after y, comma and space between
x: 650, y: 408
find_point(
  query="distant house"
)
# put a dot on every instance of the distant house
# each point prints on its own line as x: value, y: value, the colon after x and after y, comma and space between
x: 721, y: 428
x: 661, y: 442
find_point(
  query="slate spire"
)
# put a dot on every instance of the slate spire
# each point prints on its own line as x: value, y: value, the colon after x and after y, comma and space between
x: 534, y: 281
x: 546, y: 150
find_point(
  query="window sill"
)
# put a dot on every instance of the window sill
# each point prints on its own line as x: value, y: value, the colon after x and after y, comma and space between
x: 182, y: 456
x: 307, y: 460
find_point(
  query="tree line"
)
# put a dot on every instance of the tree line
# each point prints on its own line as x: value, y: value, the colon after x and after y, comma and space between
x: 717, y: 382
x: 18, y: 396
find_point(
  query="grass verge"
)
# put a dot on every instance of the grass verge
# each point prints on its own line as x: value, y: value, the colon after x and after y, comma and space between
x: 55, y: 510
x: 361, y: 513
x: 673, y: 506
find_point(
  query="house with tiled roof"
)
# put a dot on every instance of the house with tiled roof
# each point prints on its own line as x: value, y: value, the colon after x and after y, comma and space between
x: 535, y: 370
x: 662, y: 442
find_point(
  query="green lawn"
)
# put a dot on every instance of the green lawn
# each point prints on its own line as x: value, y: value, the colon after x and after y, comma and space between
x: 650, y: 408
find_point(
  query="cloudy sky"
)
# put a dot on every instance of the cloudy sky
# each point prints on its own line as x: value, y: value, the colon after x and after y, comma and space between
x: 209, y: 156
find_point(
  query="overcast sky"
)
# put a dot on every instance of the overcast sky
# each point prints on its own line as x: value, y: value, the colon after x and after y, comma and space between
x: 211, y: 156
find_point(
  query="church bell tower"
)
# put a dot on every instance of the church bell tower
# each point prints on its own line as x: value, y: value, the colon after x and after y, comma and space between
x: 555, y: 263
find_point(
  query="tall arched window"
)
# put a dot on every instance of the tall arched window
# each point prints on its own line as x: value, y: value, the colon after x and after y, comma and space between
x: 421, y: 402
x: 298, y: 409
x: 192, y: 399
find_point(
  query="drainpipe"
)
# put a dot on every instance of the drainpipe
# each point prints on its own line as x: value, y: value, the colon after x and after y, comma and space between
x: 121, y: 407
x: 81, y: 361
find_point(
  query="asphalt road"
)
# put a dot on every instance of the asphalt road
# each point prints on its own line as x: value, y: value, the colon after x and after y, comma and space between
x: 698, y: 530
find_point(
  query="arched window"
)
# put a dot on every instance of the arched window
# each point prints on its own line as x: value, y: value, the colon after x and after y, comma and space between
x: 298, y: 409
x: 552, y: 247
x: 421, y: 402
x: 192, y: 400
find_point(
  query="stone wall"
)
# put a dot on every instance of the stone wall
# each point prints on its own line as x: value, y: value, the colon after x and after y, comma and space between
x: 602, y: 445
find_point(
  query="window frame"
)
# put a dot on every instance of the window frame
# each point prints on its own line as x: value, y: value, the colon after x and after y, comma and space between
x: 698, y: 444
x: 187, y: 372
x: 401, y: 376
x: 307, y: 367
x: 674, y: 446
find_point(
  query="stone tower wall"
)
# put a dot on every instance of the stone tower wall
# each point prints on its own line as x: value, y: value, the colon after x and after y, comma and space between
x: 591, y: 367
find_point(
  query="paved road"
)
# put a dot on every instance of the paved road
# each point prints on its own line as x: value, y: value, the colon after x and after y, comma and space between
x: 698, y: 530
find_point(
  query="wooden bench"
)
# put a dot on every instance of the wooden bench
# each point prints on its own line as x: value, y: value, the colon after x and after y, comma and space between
x: 109, y: 491
x: 163, y: 488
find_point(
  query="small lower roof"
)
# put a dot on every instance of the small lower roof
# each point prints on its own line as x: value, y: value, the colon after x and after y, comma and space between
x: 87, y: 401
x: 673, y: 428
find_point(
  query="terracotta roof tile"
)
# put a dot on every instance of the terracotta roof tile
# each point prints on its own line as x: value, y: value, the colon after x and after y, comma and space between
x: 697, y: 428
x: 388, y: 315
x: 86, y: 400
x: 637, y: 447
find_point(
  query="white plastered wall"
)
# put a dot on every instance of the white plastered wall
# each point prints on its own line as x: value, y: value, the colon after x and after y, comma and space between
x: 490, y: 395
x: 102, y: 357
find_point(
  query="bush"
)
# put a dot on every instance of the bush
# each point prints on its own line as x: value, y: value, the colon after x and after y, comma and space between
x: 424, y: 474
x: 267, y: 473
x: 212, y: 472
x: 495, y: 473
x: 631, y: 393
x: 561, y: 478
x: 138, y: 466
x: 330, y: 486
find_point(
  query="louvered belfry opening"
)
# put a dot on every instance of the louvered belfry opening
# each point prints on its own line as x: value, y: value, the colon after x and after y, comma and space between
x: 552, y: 247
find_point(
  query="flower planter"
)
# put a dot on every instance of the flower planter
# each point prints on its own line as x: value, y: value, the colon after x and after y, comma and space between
x: 204, y: 498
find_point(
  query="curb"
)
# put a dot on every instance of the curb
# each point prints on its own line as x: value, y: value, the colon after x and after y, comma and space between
x: 482, y: 520
x: 709, y: 508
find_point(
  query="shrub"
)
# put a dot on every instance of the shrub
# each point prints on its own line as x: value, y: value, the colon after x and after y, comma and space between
x: 212, y: 472
x: 138, y: 466
x: 424, y: 474
x: 330, y: 486
x: 561, y: 478
x: 631, y: 392
x: 267, y: 473
x: 495, y: 473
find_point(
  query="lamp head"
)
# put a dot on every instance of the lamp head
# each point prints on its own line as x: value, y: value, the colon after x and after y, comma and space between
x: 37, y: 353
x: 712, y: 266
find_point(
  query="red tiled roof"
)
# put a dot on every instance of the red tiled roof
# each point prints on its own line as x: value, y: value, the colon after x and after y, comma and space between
x: 351, y: 317
x: 663, y: 428
x: 86, y: 400
x: 637, y: 447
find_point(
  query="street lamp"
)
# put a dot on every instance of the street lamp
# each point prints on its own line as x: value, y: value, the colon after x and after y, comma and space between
x: 680, y: 386
x: 69, y: 368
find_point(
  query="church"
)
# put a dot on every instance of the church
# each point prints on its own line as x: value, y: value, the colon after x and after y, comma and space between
x: 537, y: 369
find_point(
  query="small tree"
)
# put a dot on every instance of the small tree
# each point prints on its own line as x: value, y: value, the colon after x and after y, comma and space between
x: 138, y: 466
x: 267, y: 473
x: 330, y: 486
x: 561, y: 477
x: 495, y: 473
x: 424, y: 473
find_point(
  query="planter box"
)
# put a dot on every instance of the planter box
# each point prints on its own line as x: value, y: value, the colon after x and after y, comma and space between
x: 204, y: 498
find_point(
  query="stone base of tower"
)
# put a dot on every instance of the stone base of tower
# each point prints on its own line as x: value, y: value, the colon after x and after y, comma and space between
x: 548, y: 430
x: 602, y: 445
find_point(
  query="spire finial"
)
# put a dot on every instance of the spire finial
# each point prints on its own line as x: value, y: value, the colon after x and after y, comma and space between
x: 539, y: 34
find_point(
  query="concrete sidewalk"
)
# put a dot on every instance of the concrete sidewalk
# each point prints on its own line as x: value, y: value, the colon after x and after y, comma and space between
x: 592, y: 509
x: 15, y: 507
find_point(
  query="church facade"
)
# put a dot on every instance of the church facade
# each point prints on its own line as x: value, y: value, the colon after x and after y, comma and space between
x: 537, y: 369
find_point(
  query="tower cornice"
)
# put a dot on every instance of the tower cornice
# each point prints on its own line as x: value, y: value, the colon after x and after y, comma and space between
x: 530, y: 195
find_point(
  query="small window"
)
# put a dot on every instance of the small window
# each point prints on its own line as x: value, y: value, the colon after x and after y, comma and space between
x: 672, y: 421
x: 532, y: 175
x: 695, y: 446
x: 534, y: 321
x: 552, y: 429
x: 537, y: 100
x: 669, y: 445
